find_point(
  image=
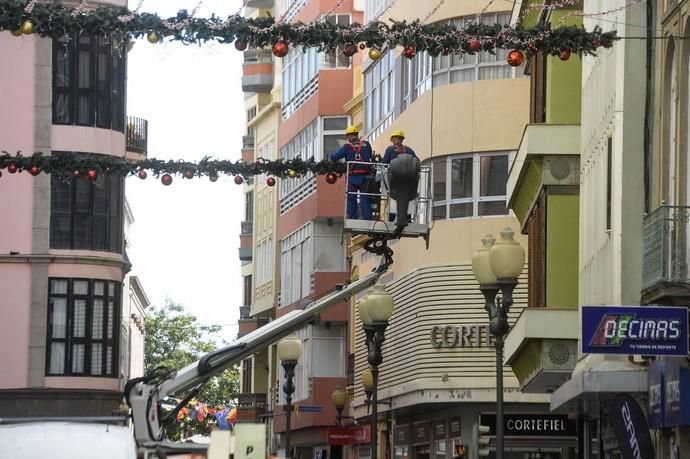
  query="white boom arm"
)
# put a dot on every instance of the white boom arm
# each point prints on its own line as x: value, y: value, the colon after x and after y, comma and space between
x: 144, y: 396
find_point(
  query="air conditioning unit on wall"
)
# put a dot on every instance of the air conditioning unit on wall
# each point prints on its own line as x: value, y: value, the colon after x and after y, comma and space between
x: 559, y: 354
x: 561, y: 170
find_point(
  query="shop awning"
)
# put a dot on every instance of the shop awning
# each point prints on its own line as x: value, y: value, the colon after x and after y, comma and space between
x: 595, y: 379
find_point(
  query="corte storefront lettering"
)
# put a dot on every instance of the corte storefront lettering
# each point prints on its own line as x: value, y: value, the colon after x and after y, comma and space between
x: 461, y: 336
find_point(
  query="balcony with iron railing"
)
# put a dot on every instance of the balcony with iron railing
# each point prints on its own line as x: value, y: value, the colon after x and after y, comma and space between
x: 136, y: 135
x: 666, y: 258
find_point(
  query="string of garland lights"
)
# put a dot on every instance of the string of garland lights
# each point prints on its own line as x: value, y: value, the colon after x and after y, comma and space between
x: 91, y: 166
x: 56, y: 20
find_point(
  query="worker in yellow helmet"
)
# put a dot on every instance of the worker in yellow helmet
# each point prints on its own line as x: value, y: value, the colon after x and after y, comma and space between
x: 397, y: 148
x: 393, y: 151
x: 359, y: 153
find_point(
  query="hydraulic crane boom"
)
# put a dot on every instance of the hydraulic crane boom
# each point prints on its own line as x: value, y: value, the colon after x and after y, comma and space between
x: 144, y: 394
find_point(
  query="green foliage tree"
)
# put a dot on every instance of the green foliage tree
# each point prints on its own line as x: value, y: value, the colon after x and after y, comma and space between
x: 174, y: 339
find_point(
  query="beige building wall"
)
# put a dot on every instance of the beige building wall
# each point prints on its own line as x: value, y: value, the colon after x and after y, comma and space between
x: 266, y: 279
x: 435, y: 286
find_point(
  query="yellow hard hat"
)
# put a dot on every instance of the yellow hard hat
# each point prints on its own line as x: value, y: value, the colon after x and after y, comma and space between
x: 351, y: 130
x: 398, y: 133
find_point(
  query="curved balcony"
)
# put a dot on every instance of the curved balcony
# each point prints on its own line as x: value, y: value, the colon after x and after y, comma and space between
x: 257, y: 71
x: 136, y: 135
x: 260, y: 3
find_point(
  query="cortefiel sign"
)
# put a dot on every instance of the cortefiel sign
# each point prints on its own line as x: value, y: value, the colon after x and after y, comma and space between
x: 630, y: 330
x: 532, y: 425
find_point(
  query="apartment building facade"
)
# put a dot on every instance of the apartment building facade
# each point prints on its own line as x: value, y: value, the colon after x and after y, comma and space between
x: 631, y: 241
x: 464, y: 116
x: 295, y: 109
x: 62, y: 254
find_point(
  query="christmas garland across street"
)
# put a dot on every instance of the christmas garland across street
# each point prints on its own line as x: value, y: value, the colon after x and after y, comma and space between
x: 57, y: 20
x: 90, y: 166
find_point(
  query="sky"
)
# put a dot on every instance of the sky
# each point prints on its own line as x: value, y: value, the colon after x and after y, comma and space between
x: 185, y: 237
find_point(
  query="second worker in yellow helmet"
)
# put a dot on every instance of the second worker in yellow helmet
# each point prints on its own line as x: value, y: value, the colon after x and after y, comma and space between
x: 397, y: 147
x: 393, y: 151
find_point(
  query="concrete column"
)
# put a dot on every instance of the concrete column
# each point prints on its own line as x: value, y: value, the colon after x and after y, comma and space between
x: 40, y: 230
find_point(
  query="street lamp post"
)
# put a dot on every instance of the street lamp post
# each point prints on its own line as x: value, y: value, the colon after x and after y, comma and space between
x: 368, y: 384
x: 375, y: 311
x: 289, y: 350
x: 339, y: 399
x: 496, y: 266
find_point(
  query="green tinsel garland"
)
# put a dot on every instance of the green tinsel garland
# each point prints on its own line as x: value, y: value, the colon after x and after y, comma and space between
x: 56, y: 20
x: 69, y: 163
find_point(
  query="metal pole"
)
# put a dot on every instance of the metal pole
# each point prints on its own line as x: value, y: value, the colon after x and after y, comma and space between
x: 374, y: 412
x: 499, y: 396
x: 289, y: 389
x: 288, y: 413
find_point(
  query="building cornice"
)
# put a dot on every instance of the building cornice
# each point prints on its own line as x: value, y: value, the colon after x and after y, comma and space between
x: 64, y: 259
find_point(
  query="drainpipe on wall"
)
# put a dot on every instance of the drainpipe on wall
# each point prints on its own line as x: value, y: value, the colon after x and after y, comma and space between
x: 647, y: 106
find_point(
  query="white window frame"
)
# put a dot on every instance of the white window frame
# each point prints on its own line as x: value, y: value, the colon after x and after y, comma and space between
x: 475, y: 199
x: 264, y: 261
x: 305, y: 144
x: 299, y: 78
x: 444, y: 67
x: 336, y: 59
x: 296, y: 258
x: 305, y: 368
x: 374, y: 8
x: 379, y: 82
x: 415, y: 78
x: 331, y: 132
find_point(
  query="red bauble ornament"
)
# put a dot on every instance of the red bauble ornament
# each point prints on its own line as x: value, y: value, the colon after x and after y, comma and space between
x: 76, y: 173
x: 238, y: 179
x: 189, y: 174
x: 34, y: 170
x: 92, y: 175
x: 595, y: 43
x: 362, y: 46
x: 409, y: 52
x: 12, y: 168
x: 142, y: 174
x: 564, y: 54
x: 270, y: 181
x: 331, y: 178
x: 474, y: 46
x: 166, y: 179
x: 350, y: 49
x: 240, y: 45
x: 280, y: 49
x: 515, y: 58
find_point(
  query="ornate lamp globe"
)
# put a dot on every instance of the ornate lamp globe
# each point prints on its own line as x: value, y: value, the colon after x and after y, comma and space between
x: 378, y: 307
x: 481, y: 265
x: 289, y: 349
x: 363, y: 311
x: 368, y: 380
x: 507, y: 257
x: 339, y: 398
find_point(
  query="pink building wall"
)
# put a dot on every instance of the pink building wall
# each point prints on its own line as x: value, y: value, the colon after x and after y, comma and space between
x: 17, y: 120
x: 20, y: 82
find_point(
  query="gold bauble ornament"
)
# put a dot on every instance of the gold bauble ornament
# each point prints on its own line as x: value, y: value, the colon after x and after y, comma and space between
x: 292, y: 173
x: 374, y: 54
x: 152, y: 37
x: 16, y: 32
x: 27, y: 27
